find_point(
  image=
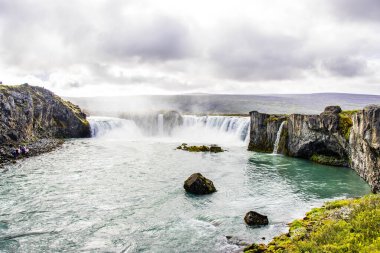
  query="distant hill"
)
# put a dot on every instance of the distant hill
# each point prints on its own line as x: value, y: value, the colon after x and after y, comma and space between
x: 227, y: 104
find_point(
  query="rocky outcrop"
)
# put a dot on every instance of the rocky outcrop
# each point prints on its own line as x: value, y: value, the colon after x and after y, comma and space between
x: 253, y: 218
x: 172, y: 119
x: 198, y: 184
x: 212, y: 148
x: 317, y: 137
x: 365, y: 145
x: 30, y: 113
x: 335, y: 137
x: 263, y: 131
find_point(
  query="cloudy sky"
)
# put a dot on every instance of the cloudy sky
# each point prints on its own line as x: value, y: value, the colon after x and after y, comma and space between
x: 122, y: 47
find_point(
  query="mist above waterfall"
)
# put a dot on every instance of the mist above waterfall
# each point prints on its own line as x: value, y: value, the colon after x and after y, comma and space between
x: 222, y: 104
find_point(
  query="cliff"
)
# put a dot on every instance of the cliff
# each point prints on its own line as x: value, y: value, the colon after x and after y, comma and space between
x: 335, y: 137
x: 31, y: 113
x: 365, y: 145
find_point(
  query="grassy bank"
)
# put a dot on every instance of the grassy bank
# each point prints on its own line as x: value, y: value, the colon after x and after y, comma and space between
x: 351, y: 225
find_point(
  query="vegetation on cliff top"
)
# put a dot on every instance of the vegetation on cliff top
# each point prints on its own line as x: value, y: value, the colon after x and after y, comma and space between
x: 350, y: 225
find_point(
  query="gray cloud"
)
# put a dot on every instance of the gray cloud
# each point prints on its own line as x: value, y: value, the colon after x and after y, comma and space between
x: 248, y: 54
x: 346, y: 66
x: 162, y: 38
x: 363, y: 10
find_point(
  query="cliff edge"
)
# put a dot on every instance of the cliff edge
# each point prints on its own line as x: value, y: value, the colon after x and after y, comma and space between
x: 30, y: 113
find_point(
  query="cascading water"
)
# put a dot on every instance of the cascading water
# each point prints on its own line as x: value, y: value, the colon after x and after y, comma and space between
x: 160, y: 123
x: 194, y: 129
x: 101, y: 126
x: 220, y: 127
x: 278, y: 137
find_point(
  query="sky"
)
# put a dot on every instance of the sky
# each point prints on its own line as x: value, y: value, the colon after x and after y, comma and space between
x: 130, y: 47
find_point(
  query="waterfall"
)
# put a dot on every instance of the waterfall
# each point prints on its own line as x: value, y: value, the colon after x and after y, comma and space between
x: 160, y: 122
x: 101, y: 126
x: 233, y: 126
x: 278, y: 137
x: 222, y: 130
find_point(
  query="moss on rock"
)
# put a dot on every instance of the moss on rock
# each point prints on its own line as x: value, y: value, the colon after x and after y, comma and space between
x: 345, y: 123
x: 328, y: 160
x: 202, y: 148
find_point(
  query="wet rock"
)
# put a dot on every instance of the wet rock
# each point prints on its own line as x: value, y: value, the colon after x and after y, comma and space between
x: 253, y: 218
x: 198, y: 184
x: 215, y: 149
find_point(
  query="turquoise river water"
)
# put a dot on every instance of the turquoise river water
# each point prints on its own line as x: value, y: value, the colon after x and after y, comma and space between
x: 123, y: 192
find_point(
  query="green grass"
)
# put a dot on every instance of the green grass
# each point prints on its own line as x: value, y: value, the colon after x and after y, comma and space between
x: 345, y: 123
x: 350, y: 225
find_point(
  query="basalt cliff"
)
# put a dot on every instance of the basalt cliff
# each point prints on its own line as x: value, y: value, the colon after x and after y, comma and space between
x: 29, y: 114
x: 335, y: 137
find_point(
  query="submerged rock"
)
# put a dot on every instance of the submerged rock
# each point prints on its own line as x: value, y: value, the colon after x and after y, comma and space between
x: 198, y: 184
x: 236, y: 241
x: 253, y: 218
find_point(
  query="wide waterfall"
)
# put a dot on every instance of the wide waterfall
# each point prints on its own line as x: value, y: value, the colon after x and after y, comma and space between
x: 278, y: 137
x: 199, y: 129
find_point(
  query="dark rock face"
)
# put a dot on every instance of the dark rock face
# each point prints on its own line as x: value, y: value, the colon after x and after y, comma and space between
x: 253, y: 218
x: 317, y: 135
x: 29, y: 113
x: 263, y: 131
x: 198, y: 184
x: 365, y: 145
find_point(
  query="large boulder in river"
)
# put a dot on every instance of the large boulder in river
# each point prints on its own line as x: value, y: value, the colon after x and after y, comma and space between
x: 253, y: 218
x: 198, y: 184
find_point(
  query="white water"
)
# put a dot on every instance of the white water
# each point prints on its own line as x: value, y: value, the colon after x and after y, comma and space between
x: 101, y: 126
x: 220, y: 130
x: 278, y: 137
x: 160, y: 120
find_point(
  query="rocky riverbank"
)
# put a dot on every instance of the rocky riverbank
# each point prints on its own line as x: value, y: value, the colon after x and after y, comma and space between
x: 37, y: 118
x: 335, y: 137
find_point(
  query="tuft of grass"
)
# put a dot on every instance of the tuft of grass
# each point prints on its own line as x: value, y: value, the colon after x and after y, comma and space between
x: 349, y: 225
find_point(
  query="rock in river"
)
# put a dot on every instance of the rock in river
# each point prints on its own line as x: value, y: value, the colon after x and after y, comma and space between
x: 198, y: 184
x: 253, y: 218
